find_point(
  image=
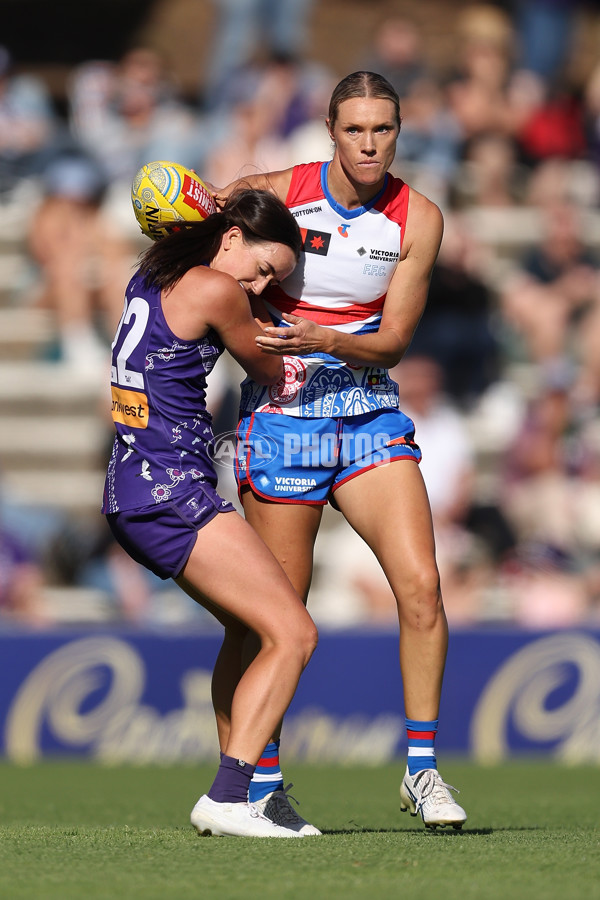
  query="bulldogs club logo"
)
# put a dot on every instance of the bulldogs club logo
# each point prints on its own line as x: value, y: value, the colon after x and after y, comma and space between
x: 294, y: 376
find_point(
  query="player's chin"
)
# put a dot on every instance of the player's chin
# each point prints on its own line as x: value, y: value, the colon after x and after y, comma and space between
x: 370, y: 174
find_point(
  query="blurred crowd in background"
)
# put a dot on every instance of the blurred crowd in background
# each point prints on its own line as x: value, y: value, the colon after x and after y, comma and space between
x: 503, y: 376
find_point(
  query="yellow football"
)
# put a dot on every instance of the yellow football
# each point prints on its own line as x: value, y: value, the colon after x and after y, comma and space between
x: 166, y: 195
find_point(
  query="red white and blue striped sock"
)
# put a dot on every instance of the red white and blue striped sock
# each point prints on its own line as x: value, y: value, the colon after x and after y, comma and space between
x: 267, y: 775
x: 421, y: 749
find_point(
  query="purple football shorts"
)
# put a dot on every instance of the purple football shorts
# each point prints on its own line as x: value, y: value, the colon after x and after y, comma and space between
x: 287, y: 459
x: 161, y: 537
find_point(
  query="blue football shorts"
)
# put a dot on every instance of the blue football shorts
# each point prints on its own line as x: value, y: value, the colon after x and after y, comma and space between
x: 162, y: 537
x: 292, y: 460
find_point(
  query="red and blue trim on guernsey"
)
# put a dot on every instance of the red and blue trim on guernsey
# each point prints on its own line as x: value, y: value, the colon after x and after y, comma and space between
x: 309, y: 185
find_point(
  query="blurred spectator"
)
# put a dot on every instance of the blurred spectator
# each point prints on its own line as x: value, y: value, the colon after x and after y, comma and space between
x: 245, y: 30
x: 430, y: 141
x: 541, y: 461
x: 24, y: 535
x: 552, y: 457
x: 554, y: 126
x: 310, y: 139
x: 130, y: 113
x: 545, y: 590
x: 477, y: 90
x: 430, y: 138
x: 456, y: 327
x: 279, y: 111
x: 268, y: 102
x: 28, y: 125
x: 62, y: 241
x: 21, y: 584
x: 557, y: 182
x: 29, y: 129
x: 545, y: 30
x: 397, y: 53
x: 550, y: 470
x: 551, y: 302
x: 490, y: 175
x: 551, y: 118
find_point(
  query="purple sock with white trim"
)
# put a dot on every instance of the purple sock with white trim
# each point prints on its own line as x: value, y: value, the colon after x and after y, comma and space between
x: 231, y: 781
x: 421, y: 740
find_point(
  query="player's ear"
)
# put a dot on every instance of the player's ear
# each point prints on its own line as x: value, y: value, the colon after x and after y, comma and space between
x: 329, y: 131
x: 231, y: 237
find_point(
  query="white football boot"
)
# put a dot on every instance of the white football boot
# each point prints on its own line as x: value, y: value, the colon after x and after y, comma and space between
x: 427, y: 794
x: 276, y: 806
x: 239, y: 819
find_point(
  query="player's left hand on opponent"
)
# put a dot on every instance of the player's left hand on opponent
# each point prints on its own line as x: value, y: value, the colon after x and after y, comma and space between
x: 301, y: 336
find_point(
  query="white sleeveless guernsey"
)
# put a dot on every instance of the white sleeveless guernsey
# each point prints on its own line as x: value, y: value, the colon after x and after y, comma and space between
x: 348, y: 259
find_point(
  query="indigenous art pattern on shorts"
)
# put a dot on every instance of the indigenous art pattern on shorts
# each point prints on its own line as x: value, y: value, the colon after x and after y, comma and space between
x: 290, y: 460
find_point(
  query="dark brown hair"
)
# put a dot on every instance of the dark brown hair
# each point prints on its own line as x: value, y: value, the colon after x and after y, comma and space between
x: 260, y: 216
x: 363, y: 84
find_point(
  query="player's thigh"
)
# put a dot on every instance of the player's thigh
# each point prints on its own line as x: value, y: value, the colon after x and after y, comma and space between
x: 231, y: 568
x: 290, y: 531
x: 389, y: 508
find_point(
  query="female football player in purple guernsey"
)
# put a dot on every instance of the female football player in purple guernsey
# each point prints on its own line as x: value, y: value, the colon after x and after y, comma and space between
x: 194, y: 295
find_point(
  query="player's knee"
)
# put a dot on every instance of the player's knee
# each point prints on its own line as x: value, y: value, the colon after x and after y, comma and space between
x: 423, y: 582
x: 308, y: 641
x: 421, y: 602
x: 297, y: 643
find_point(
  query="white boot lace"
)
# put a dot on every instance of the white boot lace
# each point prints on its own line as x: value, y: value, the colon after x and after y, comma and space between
x: 432, y: 788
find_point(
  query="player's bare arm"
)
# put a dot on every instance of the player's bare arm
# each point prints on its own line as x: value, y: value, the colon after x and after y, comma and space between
x: 403, y: 308
x: 206, y: 298
x: 277, y: 183
x: 261, y: 314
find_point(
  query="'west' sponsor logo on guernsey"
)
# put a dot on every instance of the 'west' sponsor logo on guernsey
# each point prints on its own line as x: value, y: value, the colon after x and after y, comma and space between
x: 129, y: 408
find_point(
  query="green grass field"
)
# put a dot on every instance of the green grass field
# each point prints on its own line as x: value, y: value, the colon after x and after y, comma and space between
x: 77, y: 831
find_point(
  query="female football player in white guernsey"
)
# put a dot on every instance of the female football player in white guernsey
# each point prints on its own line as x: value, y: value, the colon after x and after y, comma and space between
x: 189, y: 300
x: 341, y: 320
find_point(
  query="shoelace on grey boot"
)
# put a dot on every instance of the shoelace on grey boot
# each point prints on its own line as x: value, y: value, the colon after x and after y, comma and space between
x: 283, y: 812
